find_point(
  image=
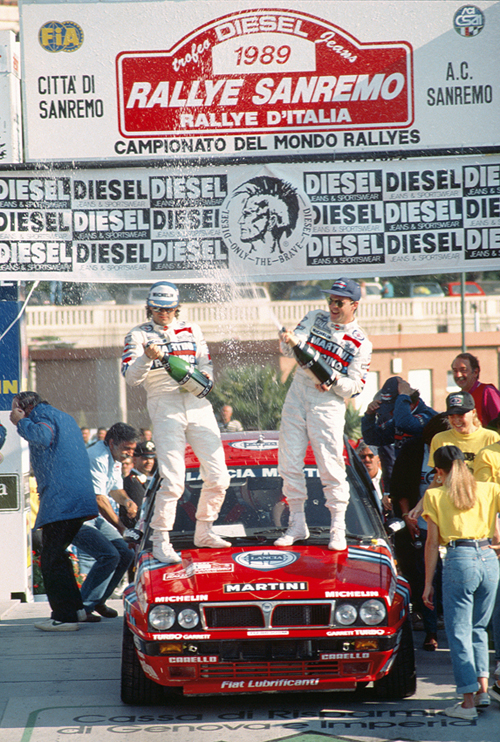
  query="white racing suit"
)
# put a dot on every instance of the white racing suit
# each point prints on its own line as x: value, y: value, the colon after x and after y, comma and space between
x: 178, y: 418
x: 318, y: 417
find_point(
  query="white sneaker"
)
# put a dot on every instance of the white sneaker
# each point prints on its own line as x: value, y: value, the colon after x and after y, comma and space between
x: 51, y: 625
x: 205, y: 538
x: 297, y: 530
x: 163, y: 549
x: 337, y: 541
x: 459, y: 712
x: 482, y: 700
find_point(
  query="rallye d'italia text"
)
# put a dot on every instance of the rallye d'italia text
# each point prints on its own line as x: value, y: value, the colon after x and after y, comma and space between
x: 256, y: 617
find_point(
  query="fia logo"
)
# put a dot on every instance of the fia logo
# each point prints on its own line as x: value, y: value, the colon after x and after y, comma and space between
x: 60, y: 37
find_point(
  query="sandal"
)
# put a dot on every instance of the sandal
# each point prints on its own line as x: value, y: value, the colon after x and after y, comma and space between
x: 430, y: 643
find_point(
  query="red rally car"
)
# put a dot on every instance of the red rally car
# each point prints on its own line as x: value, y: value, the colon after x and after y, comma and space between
x: 256, y: 617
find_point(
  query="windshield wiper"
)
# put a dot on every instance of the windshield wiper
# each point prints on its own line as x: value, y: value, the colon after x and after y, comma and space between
x: 313, y: 530
x: 320, y: 530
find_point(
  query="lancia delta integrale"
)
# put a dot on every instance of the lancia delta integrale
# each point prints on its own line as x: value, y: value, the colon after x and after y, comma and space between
x: 256, y: 617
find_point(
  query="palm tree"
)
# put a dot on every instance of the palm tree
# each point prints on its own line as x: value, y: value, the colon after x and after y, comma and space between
x: 256, y: 394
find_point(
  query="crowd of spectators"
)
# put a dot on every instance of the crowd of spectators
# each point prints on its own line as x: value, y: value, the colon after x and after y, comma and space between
x: 436, y: 467
x: 438, y: 472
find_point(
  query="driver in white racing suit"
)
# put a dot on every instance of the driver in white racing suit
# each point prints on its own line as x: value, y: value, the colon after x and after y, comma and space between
x: 315, y: 412
x: 178, y: 417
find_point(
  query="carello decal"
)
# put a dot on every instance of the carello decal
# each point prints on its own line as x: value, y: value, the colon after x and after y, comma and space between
x: 265, y: 71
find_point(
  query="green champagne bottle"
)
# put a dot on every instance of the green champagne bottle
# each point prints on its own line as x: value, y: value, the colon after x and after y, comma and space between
x: 311, y: 361
x: 186, y: 375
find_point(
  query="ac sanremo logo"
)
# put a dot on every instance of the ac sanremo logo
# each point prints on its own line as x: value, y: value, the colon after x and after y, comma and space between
x: 60, y: 37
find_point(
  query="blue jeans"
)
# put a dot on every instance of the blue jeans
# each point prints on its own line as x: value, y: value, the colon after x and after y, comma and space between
x: 470, y: 580
x: 495, y: 624
x: 112, y: 559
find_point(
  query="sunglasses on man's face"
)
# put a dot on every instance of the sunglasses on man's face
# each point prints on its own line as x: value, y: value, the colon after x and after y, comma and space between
x: 339, y: 302
x: 367, y: 456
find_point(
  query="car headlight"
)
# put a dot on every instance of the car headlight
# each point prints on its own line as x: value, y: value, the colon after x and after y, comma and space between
x: 162, y: 617
x: 188, y: 618
x: 372, y: 612
x: 345, y: 614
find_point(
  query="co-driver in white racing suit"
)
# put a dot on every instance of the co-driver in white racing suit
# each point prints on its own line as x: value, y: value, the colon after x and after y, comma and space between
x: 178, y: 417
x: 314, y: 412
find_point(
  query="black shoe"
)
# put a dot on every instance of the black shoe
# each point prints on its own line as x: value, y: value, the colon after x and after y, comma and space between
x: 106, y: 612
x: 91, y: 618
x: 430, y: 643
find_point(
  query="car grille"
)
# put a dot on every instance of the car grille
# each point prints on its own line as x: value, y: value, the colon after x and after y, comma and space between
x: 238, y: 616
x: 301, y: 615
x: 260, y: 670
x: 267, y: 614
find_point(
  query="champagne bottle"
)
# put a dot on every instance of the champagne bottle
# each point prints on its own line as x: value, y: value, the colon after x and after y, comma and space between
x: 186, y: 375
x: 311, y: 361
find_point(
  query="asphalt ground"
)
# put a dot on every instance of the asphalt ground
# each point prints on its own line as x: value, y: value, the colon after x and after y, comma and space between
x: 65, y: 687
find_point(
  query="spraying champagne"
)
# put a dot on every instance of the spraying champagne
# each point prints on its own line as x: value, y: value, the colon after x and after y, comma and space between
x: 185, y: 374
x: 310, y: 360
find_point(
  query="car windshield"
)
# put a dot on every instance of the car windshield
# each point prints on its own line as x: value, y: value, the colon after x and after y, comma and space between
x: 470, y: 288
x: 427, y: 289
x: 254, y: 506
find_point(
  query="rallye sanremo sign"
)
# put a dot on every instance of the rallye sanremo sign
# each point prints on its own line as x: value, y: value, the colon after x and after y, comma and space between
x: 151, y: 79
x: 256, y: 140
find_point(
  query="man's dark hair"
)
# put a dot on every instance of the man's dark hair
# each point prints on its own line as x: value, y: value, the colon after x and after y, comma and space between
x: 474, y: 362
x: 120, y: 432
x: 414, y: 396
x: 29, y: 399
x: 436, y: 424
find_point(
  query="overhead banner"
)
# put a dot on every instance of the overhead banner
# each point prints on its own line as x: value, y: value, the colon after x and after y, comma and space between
x: 112, y: 80
x: 254, y: 222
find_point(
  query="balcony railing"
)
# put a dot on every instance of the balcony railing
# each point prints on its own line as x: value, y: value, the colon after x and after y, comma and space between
x: 105, y: 325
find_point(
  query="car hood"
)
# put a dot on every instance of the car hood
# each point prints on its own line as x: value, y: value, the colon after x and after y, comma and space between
x: 238, y: 573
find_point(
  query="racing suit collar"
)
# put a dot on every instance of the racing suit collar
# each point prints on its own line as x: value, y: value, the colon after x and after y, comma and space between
x: 164, y: 328
x: 336, y: 326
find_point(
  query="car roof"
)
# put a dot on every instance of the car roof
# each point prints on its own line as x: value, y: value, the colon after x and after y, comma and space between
x: 249, y: 448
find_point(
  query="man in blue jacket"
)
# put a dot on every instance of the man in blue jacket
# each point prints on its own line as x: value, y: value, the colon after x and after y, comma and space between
x: 61, y: 467
x: 396, y: 415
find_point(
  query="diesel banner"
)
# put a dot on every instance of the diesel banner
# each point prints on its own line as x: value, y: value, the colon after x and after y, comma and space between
x: 254, y: 222
x: 198, y: 78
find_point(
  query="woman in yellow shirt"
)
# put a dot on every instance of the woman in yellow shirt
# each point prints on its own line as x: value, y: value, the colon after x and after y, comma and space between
x: 461, y: 515
x: 466, y: 431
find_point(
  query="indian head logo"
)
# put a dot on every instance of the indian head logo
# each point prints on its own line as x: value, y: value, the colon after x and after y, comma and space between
x: 266, y: 220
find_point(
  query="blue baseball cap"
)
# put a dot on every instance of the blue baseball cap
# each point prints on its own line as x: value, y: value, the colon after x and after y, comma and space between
x: 345, y: 287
